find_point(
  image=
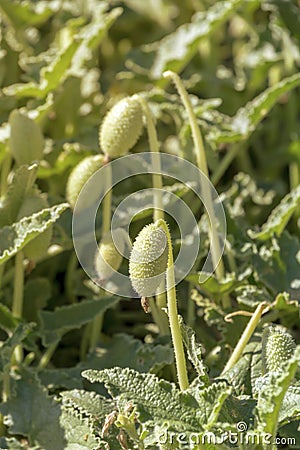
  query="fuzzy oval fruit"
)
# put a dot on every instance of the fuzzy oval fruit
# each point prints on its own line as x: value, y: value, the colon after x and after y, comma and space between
x: 148, y: 260
x: 278, y: 348
x: 26, y: 141
x: 121, y: 127
x: 38, y: 247
x: 80, y: 175
x: 107, y: 258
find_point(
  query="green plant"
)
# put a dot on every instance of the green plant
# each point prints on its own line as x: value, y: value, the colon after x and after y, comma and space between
x: 81, y: 367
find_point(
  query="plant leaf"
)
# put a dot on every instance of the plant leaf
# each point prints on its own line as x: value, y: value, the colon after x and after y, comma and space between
x: 157, y: 400
x: 13, y: 238
x: 7, y: 321
x: 50, y: 77
x: 272, y: 389
x: 277, y: 264
x: 194, y: 351
x: 55, y: 324
x: 279, y: 217
x: 122, y: 350
x: 27, y: 14
x: 21, y: 184
x: 176, y: 49
x: 7, y: 349
x: 248, y: 117
x: 29, y: 411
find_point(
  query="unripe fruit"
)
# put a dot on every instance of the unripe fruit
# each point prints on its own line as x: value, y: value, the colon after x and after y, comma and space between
x: 278, y: 348
x: 80, y: 175
x: 148, y: 260
x: 121, y: 127
x: 107, y: 258
x: 26, y: 141
x: 38, y: 247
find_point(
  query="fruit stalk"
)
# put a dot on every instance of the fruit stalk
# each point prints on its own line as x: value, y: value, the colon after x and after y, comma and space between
x: 202, y: 164
x: 97, y: 323
x: 244, y: 339
x: 17, y: 306
x: 173, y: 314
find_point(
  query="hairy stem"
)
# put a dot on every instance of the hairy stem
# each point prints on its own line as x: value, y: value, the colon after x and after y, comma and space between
x: 173, y: 314
x: 202, y: 164
x: 158, y: 213
x: 244, y: 339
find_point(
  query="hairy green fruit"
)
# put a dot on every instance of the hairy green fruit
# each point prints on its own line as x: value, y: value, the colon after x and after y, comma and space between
x: 148, y: 260
x: 107, y: 258
x: 38, y: 247
x: 278, y: 348
x: 26, y: 141
x: 121, y: 127
x: 80, y: 175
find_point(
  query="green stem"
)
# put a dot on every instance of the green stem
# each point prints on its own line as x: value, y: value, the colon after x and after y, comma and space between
x: 173, y: 314
x: 2, y: 268
x: 95, y: 331
x: 155, y: 311
x: 202, y: 164
x: 84, y: 345
x: 191, y: 309
x: 154, y: 149
x: 69, y: 279
x: 97, y: 323
x: 5, y: 169
x: 158, y: 212
x: 196, y: 134
x: 17, y: 306
x: 244, y: 339
x: 225, y: 163
x: 107, y: 201
x: 45, y: 359
x: 6, y: 385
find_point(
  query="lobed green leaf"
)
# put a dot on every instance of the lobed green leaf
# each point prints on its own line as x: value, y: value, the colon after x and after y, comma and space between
x: 279, y: 217
x: 14, y: 237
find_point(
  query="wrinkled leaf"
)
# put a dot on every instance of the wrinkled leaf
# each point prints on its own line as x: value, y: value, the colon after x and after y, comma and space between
x: 13, y: 238
x: 176, y: 49
x: 279, y: 217
x: 32, y: 413
x: 55, y: 324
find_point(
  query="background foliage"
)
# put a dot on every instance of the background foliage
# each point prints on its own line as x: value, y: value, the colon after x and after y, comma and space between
x: 63, y: 64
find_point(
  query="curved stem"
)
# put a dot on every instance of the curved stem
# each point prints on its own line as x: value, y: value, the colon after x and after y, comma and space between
x: 244, y: 339
x: 173, y: 314
x: 202, y: 164
x: 197, y: 137
x: 45, y: 359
